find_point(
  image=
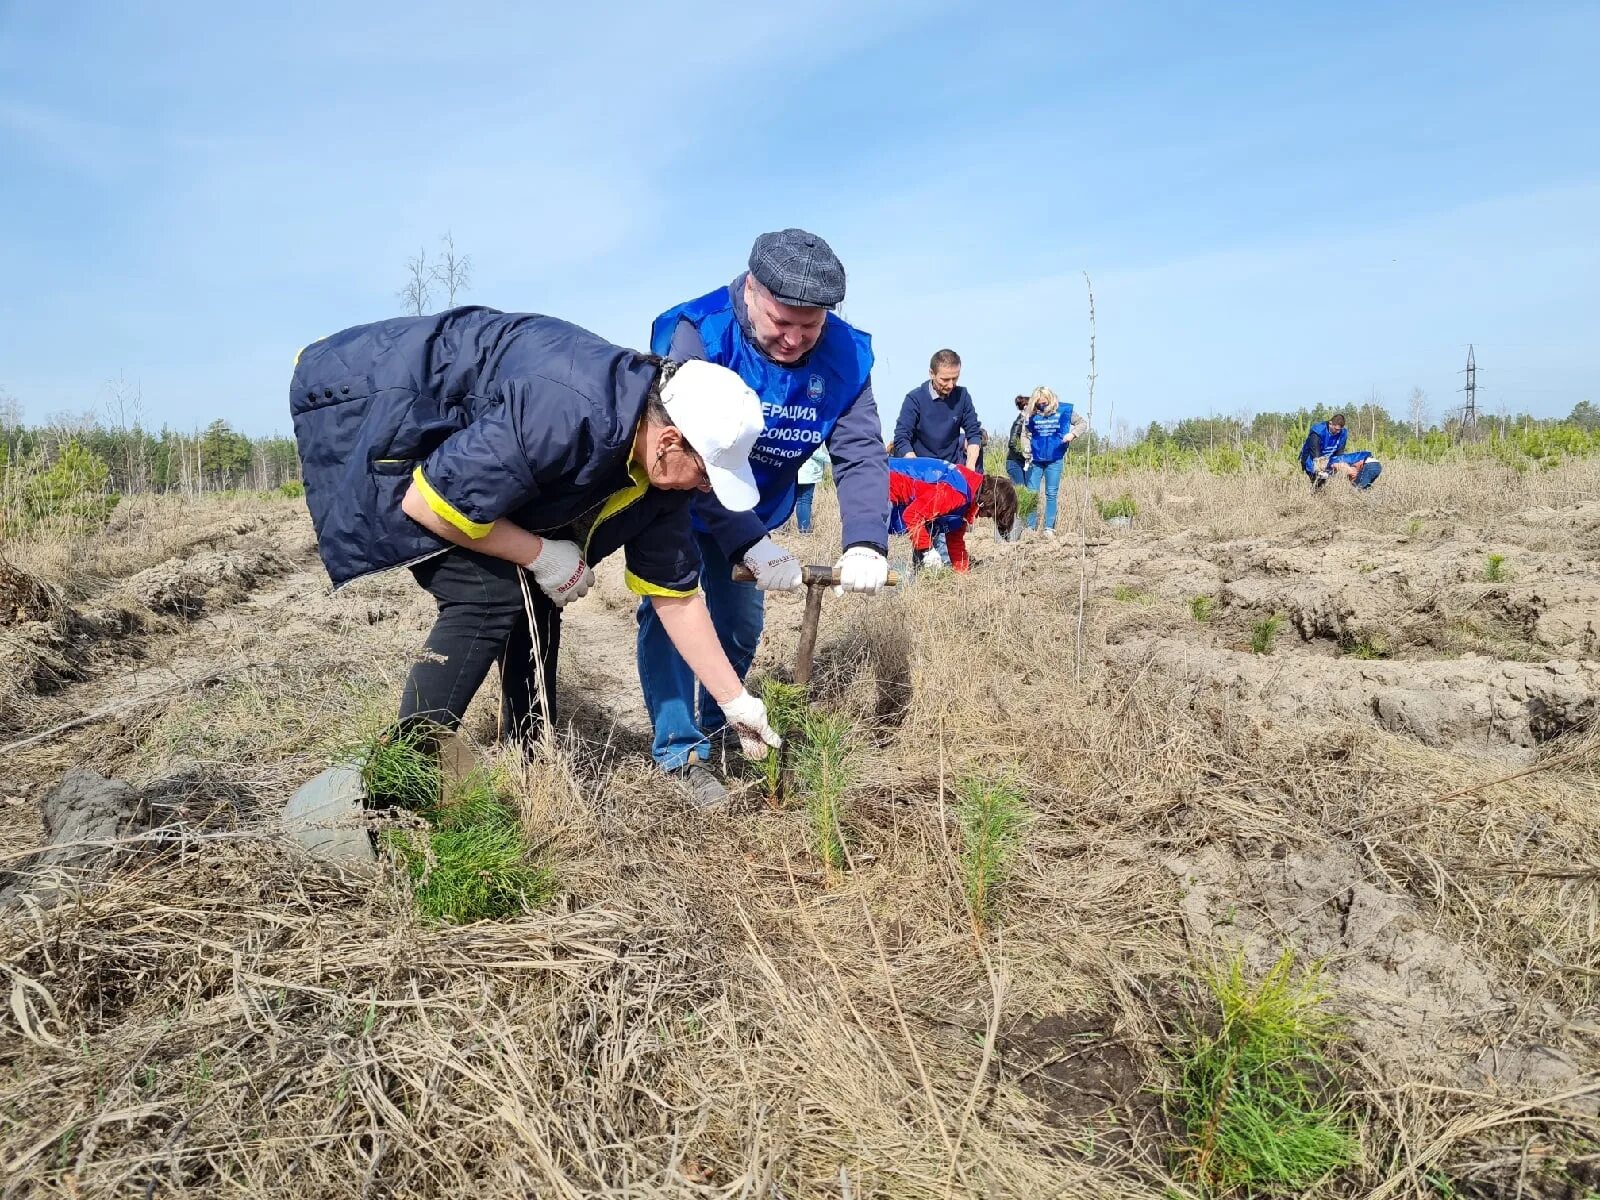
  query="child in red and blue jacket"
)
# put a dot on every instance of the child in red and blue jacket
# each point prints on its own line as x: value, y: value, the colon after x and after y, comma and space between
x: 929, y: 496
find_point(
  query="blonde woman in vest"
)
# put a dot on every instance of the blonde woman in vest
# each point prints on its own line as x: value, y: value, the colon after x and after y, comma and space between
x: 1052, y: 427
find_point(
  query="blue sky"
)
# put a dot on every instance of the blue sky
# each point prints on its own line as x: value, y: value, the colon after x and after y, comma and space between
x: 1279, y: 204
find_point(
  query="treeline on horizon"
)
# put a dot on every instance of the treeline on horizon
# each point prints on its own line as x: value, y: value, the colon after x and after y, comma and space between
x: 216, y: 458
x: 219, y: 458
x: 1226, y: 445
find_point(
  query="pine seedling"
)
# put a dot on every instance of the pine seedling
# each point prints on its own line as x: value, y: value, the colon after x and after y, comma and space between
x: 400, y: 769
x: 992, y: 815
x: 1201, y: 608
x: 471, y: 865
x: 1494, y: 569
x: 1255, y: 1098
x: 1368, y: 646
x: 1264, y: 632
x: 786, y: 710
x: 477, y: 872
x: 822, y: 763
x: 468, y: 862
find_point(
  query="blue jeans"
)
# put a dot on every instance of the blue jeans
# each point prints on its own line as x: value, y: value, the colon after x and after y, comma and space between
x: 803, y: 493
x: 738, y: 612
x: 1050, y: 473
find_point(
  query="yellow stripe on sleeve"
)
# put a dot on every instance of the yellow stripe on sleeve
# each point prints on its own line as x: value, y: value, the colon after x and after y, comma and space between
x: 620, y: 499
x: 643, y: 587
x: 443, y: 509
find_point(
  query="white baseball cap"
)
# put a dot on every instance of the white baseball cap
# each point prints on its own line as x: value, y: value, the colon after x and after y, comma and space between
x: 720, y: 417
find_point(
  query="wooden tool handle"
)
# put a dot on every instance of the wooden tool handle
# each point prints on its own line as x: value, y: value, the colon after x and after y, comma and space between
x: 809, y: 576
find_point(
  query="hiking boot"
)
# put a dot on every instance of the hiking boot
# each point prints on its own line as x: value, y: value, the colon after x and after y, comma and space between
x: 705, y: 790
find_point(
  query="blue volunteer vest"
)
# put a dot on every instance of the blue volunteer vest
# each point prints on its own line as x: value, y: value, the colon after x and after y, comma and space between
x: 1047, y: 434
x: 931, y: 470
x: 801, y: 403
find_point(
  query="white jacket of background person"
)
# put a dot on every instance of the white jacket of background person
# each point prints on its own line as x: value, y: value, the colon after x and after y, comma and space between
x: 811, y: 470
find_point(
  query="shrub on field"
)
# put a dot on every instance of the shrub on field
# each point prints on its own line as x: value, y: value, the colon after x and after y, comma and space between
x: 1223, y: 460
x: 73, y: 493
x: 1122, y: 506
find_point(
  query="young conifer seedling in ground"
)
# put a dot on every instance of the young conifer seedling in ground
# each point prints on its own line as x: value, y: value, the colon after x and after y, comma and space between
x: 1256, y: 1097
x: 786, y: 708
x: 1264, y: 632
x: 400, y: 770
x: 474, y: 867
x: 823, y: 766
x: 992, y: 815
x: 471, y: 863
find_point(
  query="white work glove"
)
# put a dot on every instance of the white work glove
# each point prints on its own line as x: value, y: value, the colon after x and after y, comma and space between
x: 931, y: 560
x: 776, y: 570
x: 561, y: 573
x: 861, y: 569
x: 748, y: 717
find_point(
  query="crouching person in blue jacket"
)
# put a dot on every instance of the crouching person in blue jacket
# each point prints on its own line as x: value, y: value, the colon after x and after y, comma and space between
x: 1324, y: 440
x: 773, y: 325
x: 1358, y: 466
x: 485, y: 450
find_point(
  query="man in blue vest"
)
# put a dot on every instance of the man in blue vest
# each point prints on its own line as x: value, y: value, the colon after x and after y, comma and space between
x: 1325, y: 439
x: 813, y: 372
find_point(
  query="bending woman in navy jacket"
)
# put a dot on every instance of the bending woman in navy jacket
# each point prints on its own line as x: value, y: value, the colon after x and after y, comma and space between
x: 931, y: 497
x: 475, y: 445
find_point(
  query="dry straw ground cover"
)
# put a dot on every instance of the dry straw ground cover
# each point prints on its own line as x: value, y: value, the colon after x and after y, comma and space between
x: 706, y: 1008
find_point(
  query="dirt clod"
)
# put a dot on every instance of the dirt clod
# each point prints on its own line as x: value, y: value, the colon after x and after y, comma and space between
x: 81, y: 813
x: 24, y: 598
x: 184, y: 587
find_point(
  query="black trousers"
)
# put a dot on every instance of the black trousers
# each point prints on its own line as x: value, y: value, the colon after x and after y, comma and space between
x: 483, y: 621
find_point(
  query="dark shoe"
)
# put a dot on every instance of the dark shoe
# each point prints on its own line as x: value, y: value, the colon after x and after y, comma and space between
x: 705, y: 790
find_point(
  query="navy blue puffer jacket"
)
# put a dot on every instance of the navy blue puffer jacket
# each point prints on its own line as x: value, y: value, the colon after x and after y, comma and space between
x: 494, y: 415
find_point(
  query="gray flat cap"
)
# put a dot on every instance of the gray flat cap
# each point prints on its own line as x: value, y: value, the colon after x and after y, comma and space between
x: 798, y: 268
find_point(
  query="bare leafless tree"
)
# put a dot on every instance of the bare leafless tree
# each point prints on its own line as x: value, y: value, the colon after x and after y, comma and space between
x: 10, y: 427
x: 416, y: 294
x: 452, y: 271
x: 125, y: 414
x: 1419, y: 410
x: 1083, y: 505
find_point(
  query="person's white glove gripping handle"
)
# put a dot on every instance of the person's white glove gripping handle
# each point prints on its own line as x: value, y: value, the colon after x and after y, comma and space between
x: 776, y: 570
x: 861, y: 569
x: 748, y: 716
x: 561, y: 572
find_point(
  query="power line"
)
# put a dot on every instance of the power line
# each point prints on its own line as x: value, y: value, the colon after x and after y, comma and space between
x: 1469, y: 414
